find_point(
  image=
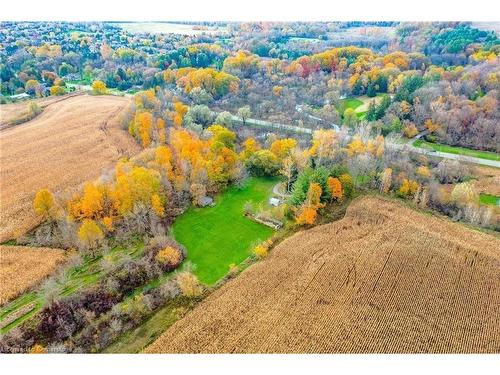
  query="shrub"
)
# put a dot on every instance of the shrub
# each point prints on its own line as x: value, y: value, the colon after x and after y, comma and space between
x: 260, y: 251
x: 188, y: 284
x: 169, y: 257
x: 99, y: 87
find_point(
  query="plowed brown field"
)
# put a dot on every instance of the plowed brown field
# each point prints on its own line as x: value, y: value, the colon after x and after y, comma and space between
x: 72, y: 141
x: 385, y: 279
x: 22, y: 267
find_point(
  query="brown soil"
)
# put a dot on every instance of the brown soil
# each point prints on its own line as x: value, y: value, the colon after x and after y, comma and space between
x: 72, y: 141
x: 384, y: 279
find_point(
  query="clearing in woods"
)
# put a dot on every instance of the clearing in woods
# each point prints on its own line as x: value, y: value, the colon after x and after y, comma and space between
x: 218, y: 236
x: 70, y: 142
x: 384, y: 279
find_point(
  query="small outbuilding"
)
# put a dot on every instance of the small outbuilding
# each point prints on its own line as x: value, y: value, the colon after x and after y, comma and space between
x: 20, y: 96
x: 274, y: 201
x: 206, y: 201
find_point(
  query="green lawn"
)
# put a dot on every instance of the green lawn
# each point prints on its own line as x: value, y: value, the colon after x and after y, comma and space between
x: 352, y: 103
x: 489, y: 199
x: 457, y: 150
x: 218, y: 236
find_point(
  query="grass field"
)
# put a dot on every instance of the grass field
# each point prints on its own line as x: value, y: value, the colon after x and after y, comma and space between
x: 457, y: 150
x: 384, y: 279
x: 71, y: 141
x: 359, y: 104
x: 489, y: 199
x: 218, y: 236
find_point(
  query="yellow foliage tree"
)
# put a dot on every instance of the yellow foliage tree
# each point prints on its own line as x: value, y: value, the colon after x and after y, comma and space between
x: 408, y: 187
x: 157, y: 205
x: 260, y: 251
x: 136, y: 186
x: 423, y: 171
x: 323, y: 144
x: 306, y: 215
x: 308, y: 211
x: 282, y: 147
x: 189, y: 284
x: 169, y: 256
x: 99, y: 87
x: 90, y: 234
x: 356, y: 147
x: 108, y: 223
x: 431, y: 126
x: 44, y: 203
x: 92, y: 202
x: 250, y: 146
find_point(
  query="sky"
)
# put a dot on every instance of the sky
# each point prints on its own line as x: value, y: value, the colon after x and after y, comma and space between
x: 250, y: 10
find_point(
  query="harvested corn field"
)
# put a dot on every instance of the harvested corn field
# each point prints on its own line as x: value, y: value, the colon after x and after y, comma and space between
x: 385, y: 279
x: 17, y: 113
x: 23, y: 267
x: 72, y: 141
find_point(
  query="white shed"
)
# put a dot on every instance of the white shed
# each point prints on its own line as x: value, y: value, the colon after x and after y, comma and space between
x: 274, y: 201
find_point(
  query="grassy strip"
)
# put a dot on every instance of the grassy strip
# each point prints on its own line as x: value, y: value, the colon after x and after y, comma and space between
x: 489, y: 199
x: 457, y: 150
x: 139, y: 338
x: 77, y: 277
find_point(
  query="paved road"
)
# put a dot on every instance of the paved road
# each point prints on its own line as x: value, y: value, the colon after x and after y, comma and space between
x: 274, y: 125
x: 445, y: 155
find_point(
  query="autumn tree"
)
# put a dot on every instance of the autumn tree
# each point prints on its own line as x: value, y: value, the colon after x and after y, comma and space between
x: 136, y: 186
x: 323, y: 144
x: 356, y: 146
x: 308, y: 211
x: 335, y: 187
x: 408, y: 188
x: 180, y: 110
x: 44, y: 203
x: 157, y: 205
x: 282, y: 147
x: 350, y: 117
x: 386, y: 180
x: 263, y: 163
x: 288, y: 166
x: 250, y: 146
x: 464, y: 193
x: 188, y: 284
x: 99, y: 87
x: 57, y: 90
x: 90, y: 234
x: 169, y: 257
x: 244, y: 113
